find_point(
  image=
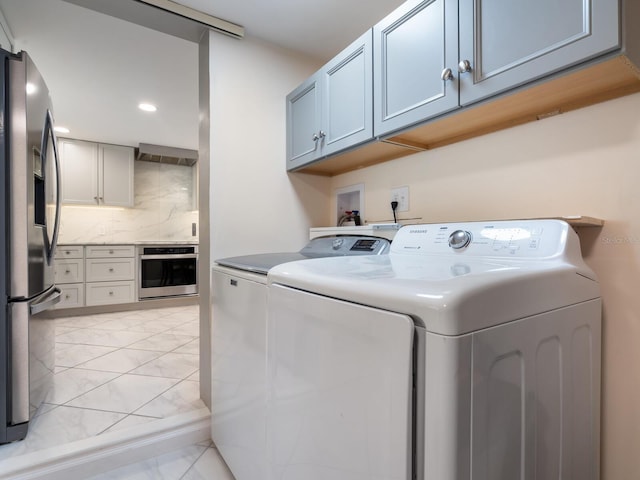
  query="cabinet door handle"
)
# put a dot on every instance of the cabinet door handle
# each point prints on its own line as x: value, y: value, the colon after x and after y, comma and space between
x: 315, y: 137
x: 67, y: 272
x: 447, y: 74
x: 111, y: 292
x: 111, y: 270
x: 464, y: 66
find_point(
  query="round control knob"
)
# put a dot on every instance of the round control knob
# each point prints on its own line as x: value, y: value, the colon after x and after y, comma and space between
x: 337, y: 243
x: 459, y: 239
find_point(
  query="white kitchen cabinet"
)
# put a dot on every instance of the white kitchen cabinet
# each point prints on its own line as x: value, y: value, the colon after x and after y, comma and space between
x: 69, y: 275
x: 110, y: 251
x: 110, y: 293
x: 110, y: 274
x: 96, y: 174
x: 332, y: 110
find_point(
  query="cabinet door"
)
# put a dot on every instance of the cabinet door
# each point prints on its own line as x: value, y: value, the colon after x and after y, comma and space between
x: 303, y: 123
x: 347, y: 97
x: 110, y: 293
x: 412, y: 48
x: 72, y: 295
x: 109, y: 269
x: 79, y: 161
x: 116, y: 164
x: 508, y: 43
x: 69, y: 270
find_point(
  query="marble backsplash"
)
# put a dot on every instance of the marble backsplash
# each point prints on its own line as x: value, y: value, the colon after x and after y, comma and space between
x: 164, y: 210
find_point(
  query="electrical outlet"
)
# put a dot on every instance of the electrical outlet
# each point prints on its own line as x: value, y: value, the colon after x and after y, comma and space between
x: 401, y: 195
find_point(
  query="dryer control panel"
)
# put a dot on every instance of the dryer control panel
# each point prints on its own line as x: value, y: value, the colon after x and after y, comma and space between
x: 520, y: 239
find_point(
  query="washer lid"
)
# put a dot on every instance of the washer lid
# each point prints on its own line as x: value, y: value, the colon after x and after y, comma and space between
x: 454, y: 292
x: 260, y: 263
x: 331, y: 246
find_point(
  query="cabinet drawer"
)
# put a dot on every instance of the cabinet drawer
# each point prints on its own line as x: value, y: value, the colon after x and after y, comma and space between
x: 106, y: 293
x: 110, y: 251
x: 109, y: 269
x: 69, y: 251
x: 72, y: 296
x: 69, y: 270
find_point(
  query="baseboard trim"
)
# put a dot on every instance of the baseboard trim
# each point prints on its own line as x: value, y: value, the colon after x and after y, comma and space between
x: 81, y: 459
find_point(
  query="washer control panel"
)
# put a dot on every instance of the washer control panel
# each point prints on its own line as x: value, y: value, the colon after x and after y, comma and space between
x: 523, y: 239
x: 338, y: 245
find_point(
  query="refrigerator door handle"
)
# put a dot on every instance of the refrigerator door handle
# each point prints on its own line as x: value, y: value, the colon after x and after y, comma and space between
x: 47, y: 130
x: 46, y: 302
x: 56, y: 227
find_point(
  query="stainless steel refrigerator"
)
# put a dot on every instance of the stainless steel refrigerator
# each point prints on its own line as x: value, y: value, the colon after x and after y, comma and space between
x: 29, y: 223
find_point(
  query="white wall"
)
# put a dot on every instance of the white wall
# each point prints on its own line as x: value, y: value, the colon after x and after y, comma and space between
x: 255, y: 205
x: 584, y: 162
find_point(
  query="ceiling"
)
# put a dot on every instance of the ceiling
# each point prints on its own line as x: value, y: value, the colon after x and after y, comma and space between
x: 320, y: 29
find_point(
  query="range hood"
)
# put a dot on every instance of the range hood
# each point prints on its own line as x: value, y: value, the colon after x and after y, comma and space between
x: 148, y: 152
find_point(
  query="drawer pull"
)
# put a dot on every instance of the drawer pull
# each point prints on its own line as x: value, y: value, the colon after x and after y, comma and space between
x: 67, y: 272
x: 111, y: 270
x: 110, y: 252
x: 234, y: 283
x: 111, y: 292
x: 67, y: 296
x: 67, y: 252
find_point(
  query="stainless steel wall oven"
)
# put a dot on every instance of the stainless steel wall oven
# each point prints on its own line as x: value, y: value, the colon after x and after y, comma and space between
x: 167, y: 271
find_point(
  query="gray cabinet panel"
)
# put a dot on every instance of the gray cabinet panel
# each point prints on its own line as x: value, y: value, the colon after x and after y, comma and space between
x: 303, y: 120
x: 412, y: 47
x: 509, y: 43
x: 332, y: 110
x: 348, y: 97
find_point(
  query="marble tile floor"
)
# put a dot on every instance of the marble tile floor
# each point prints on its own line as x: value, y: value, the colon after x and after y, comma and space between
x: 117, y: 370
x: 194, y: 462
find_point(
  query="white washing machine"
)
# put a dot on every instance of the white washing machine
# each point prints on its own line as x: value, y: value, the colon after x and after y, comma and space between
x: 239, y: 393
x: 471, y: 351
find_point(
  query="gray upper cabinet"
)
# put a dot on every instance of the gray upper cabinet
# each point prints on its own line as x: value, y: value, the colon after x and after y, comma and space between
x: 413, y: 48
x: 332, y: 110
x: 303, y: 123
x: 504, y: 43
x: 449, y: 70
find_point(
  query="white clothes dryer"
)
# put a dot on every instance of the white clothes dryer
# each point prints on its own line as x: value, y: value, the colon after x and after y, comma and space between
x: 471, y: 351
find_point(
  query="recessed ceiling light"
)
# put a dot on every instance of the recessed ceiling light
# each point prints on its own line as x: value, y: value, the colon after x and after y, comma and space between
x: 61, y: 129
x: 147, y: 107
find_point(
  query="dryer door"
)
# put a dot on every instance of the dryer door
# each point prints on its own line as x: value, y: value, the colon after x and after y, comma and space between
x: 340, y: 380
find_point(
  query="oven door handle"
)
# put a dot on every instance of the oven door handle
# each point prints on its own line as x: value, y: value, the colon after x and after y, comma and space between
x: 170, y: 256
